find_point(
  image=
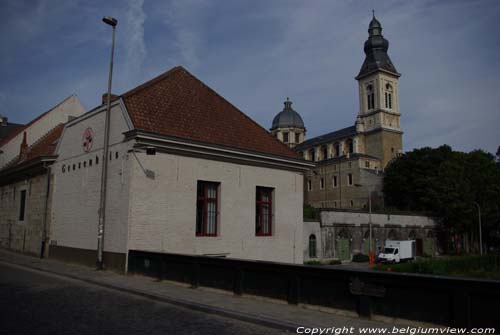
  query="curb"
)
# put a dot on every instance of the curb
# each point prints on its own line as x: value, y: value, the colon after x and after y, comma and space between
x: 246, y: 317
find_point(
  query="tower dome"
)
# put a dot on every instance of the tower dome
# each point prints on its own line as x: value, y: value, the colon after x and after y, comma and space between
x: 287, y: 118
x: 288, y: 126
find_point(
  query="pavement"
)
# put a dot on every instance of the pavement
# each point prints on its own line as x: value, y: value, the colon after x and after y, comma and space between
x: 263, y: 312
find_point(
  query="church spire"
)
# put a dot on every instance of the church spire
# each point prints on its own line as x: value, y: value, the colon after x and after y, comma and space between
x: 375, y: 48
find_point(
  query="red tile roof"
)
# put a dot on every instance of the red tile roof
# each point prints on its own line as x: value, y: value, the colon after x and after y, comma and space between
x: 24, y: 127
x: 44, y: 146
x: 178, y: 104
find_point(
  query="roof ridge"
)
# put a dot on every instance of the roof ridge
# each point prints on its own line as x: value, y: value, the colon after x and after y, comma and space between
x: 236, y: 108
x: 21, y: 129
x: 152, y: 81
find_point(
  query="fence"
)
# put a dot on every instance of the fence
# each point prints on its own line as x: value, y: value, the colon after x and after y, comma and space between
x: 457, y: 302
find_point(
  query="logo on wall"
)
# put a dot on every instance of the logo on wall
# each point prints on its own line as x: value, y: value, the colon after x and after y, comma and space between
x: 88, y: 139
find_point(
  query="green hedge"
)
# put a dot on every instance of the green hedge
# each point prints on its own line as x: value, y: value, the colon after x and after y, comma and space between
x: 486, y: 266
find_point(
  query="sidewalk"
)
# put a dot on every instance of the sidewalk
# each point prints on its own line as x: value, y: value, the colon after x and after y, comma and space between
x: 272, y: 314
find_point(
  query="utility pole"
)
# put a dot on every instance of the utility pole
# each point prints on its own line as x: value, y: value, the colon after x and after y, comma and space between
x: 104, y: 175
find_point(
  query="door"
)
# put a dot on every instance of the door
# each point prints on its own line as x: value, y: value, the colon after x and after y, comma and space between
x: 420, y: 247
x: 344, y: 249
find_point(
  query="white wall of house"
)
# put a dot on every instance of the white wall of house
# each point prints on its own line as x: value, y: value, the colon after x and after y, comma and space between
x: 77, y: 192
x: 59, y: 114
x: 163, y: 210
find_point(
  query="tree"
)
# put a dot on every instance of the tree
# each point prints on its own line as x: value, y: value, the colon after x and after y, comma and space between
x: 445, y: 184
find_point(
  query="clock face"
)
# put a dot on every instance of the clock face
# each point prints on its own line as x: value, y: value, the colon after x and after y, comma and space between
x: 88, y: 139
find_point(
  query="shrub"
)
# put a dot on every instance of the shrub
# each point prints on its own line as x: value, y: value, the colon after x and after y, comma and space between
x: 313, y: 262
x: 334, y: 262
x: 360, y: 258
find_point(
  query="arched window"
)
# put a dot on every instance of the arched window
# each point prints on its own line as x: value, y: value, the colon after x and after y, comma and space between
x: 312, y: 246
x: 312, y: 154
x: 388, y: 96
x: 336, y: 149
x: 350, y: 145
x: 324, y: 152
x: 370, y: 95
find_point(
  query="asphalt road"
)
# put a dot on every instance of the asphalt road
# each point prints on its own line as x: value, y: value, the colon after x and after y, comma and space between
x: 35, y: 303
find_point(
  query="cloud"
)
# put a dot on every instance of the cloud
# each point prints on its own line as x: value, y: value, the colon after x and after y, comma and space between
x: 136, y: 51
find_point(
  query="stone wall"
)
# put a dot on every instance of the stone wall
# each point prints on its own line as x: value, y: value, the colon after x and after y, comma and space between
x: 27, y: 235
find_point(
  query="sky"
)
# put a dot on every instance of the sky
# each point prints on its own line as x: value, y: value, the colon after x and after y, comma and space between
x: 256, y: 53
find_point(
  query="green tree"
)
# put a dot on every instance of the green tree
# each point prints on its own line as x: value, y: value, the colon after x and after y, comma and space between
x: 445, y: 184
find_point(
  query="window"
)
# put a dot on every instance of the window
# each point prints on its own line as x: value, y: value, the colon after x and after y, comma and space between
x: 285, y: 137
x: 97, y: 159
x: 309, y: 185
x: 334, y: 181
x: 312, y: 246
x: 350, y: 145
x: 79, y: 165
x: 264, y: 211
x: 388, y: 96
x: 322, y: 183
x: 370, y: 97
x: 297, y: 137
x: 352, y: 203
x: 324, y: 152
x: 349, y: 179
x: 312, y: 154
x: 367, y: 164
x: 22, y: 204
x: 206, y: 208
x: 90, y: 162
x: 336, y: 149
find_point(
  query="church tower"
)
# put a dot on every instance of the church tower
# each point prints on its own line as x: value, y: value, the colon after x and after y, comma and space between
x: 288, y: 126
x: 378, y: 118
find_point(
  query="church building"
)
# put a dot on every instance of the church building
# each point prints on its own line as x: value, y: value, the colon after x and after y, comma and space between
x: 350, y: 161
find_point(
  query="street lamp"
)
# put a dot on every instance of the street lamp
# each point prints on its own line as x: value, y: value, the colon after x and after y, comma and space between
x: 480, y: 230
x: 104, y: 175
x: 370, y: 246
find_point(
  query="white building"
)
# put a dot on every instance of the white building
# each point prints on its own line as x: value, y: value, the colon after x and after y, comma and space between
x: 188, y: 173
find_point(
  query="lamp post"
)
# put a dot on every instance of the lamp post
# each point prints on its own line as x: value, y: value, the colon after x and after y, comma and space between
x: 370, y: 246
x: 104, y: 175
x: 480, y: 230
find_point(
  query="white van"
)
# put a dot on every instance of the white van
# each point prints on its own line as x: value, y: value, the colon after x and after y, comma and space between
x: 397, y: 251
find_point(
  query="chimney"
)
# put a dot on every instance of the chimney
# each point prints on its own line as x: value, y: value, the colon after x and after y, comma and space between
x: 105, y: 98
x: 24, y: 147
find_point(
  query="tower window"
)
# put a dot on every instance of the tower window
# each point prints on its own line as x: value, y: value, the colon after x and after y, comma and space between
x: 370, y: 95
x: 367, y: 164
x: 349, y: 179
x: 297, y: 138
x: 309, y: 185
x: 322, y: 183
x: 285, y: 137
x: 388, y: 96
x: 350, y: 146
x: 334, y: 181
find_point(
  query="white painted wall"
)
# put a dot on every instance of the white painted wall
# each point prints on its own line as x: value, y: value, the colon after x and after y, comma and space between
x: 59, y: 114
x: 76, y: 192
x: 163, y: 211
